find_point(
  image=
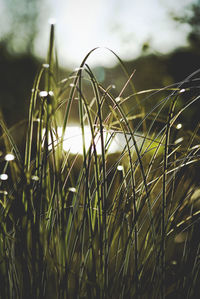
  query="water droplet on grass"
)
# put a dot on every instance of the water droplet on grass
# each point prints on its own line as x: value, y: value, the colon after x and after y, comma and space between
x: 182, y: 90
x: 195, y: 147
x: 51, y: 93
x: 179, y: 140
x: 72, y: 189
x: 43, y: 94
x: 120, y: 167
x: 35, y: 178
x: 118, y: 99
x: 45, y: 65
x: 9, y: 157
x: 3, y: 192
x: 179, y: 126
x: 3, y: 176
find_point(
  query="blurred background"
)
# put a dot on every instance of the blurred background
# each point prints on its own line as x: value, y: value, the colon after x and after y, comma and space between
x: 160, y: 39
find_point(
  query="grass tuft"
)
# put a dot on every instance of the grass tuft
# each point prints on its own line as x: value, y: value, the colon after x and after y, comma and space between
x: 100, y: 224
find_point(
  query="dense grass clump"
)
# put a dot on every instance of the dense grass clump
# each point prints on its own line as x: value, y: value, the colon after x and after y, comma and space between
x: 101, y: 224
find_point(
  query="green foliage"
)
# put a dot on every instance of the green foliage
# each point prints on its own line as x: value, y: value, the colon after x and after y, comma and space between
x: 100, y: 225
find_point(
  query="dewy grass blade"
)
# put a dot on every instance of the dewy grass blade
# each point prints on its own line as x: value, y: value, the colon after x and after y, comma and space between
x: 31, y: 118
x: 164, y: 190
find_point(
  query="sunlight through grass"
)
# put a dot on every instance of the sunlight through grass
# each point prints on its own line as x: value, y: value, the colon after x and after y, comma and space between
x: 73, y: 142
x: 106, y: 208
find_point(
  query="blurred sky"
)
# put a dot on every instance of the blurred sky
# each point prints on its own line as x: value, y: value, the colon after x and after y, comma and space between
x: 123, y: 26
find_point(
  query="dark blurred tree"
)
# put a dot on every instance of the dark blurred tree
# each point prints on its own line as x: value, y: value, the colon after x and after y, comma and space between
x: 18, y: 63
x: 188, y: 60
x: 23, y: 18
x: 193, y: 19
x: 16, y: 81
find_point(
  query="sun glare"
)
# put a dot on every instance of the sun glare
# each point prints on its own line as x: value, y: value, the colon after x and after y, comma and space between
x: 73, y: 142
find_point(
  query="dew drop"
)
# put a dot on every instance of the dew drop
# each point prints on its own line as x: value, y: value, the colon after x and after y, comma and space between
x: 3, y: 192
x: 179, y: 126
x: 122, y: 120
x: 3, y: 176
x: 43, y: 94
x: 38, y: 120
x: 35, y: 178
x: 9, y: 157
x: 118, y: 99
x: 64, y: 80
x: 120, y: 167
x: 72, y: 189
x: 51, y: 93
x: 179, y: 140
x: 78, y: 69
x: 45, y: 65
x: 195, y: 147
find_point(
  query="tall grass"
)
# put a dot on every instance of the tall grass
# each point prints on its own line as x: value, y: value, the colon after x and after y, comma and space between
x: 123, y: 225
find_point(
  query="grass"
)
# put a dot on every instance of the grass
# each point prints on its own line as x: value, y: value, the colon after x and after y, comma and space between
x: 101, y: 225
